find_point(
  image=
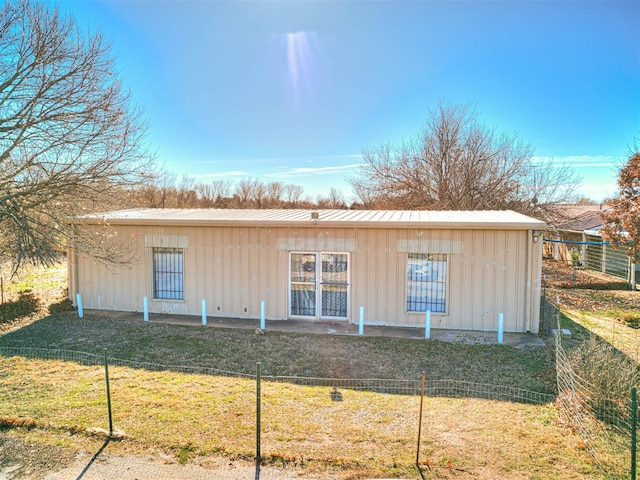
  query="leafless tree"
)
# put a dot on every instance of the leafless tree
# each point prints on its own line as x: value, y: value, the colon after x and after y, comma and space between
x: 160, y: 193
x: 221, y: 189
x: 292, y: 194
x: 69, y: 137
x: 186, y: 195
x: 245, y: 191
x: 170, y: 191
x: 206, y: 195
x: 275, y: 191
x: 456, y: 163
x: 334, y: 200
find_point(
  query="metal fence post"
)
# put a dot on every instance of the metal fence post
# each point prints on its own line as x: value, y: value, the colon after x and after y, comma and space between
x: 106, y: 374
x: 422, y: 381
x: 634, y: 425
x: 2, y: 296
x: 258, y: 380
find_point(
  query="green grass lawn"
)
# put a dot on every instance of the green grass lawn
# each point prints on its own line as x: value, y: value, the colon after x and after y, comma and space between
x: 284, y: 354
x: 193, y: 415
x: 366, y: 434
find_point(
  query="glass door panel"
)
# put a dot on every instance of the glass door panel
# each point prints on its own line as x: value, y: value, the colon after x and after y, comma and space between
x: 303, y: 284
x: 319, y: 292
x: 334, y: 284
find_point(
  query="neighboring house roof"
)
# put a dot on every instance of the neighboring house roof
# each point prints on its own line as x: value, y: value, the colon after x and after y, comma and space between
x: 575, y: 217
x: 586, y: 221
x: 328, y: 218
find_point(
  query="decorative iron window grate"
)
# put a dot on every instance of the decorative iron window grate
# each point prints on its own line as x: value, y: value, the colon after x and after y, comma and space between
x: 168, y: 274
x: 426, y: 282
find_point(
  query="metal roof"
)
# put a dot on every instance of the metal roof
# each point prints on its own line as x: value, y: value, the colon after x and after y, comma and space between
x: 484, y: 219
x: 563, y: 214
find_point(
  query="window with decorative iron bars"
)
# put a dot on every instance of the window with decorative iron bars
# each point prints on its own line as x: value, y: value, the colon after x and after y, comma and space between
x: 427, y: 282
x: 168, y: 273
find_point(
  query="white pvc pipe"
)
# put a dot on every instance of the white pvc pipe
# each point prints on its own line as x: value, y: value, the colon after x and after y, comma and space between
x: 145, y: 309
x: 500, y: 328
x: 361, y: 325
x: 79, y: 302
x: 204, y: 312
x: 427, y: 325
x: 262, y: 320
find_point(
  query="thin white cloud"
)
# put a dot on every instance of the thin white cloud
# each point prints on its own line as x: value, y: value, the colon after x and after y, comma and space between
x: 232, y: 173
x: 304, y: 171
x: 581, y: 161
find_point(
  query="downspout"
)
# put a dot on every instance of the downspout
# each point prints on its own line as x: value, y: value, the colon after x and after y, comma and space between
x: 536, y: 277
x: 73, y: 269
x: 527, y: 291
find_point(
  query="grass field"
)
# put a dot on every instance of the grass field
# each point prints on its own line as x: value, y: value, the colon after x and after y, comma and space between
x: 366, y: 434
x: 195, y: 417
x: 289, y: 353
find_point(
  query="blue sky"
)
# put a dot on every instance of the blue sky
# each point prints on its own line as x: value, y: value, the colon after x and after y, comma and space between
x: 294, y: 91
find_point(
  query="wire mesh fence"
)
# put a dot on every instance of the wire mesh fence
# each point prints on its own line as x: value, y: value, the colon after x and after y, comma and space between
x: 600, y: 409
x: 32, y: 290
x: 207, y: 410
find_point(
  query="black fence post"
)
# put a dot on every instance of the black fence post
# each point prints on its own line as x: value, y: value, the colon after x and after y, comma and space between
x: 106, y: 374
x: 258, y: 380
x: 422, y: 381
x: 2, y: 296
x: 634, y: 425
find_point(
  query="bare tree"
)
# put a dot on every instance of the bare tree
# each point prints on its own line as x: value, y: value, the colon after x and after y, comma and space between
x: 69, y: 138
x: 456, y: 163
x: 221, y: 189
x: 259, y: 197
x: 206, y: 195
x: 186, y: 196
x: 159, y: 193
x: 244, y: 191
x: 335, y: 199
x: 292, y: 194
x: 275, y: 191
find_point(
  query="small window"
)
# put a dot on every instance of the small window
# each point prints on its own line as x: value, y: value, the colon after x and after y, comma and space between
x: 168, y: 274
x: 426, y: 282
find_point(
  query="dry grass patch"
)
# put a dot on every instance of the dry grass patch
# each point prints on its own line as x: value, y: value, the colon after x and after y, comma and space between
x: 192, y: 415
x: 608, y: 327
x: 288, y: 354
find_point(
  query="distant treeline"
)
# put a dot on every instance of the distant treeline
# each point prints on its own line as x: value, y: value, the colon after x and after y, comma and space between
x: 170, y: 191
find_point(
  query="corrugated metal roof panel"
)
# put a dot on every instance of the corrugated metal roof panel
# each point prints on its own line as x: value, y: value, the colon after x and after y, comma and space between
x: 484, y: 219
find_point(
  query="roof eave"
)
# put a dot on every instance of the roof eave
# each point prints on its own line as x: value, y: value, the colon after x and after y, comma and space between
x: 155, y: 222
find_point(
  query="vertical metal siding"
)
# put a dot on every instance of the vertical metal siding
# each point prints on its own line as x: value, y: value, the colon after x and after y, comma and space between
x: 237, y: 267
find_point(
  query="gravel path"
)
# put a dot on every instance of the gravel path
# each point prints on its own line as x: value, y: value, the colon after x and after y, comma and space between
x: 123, y: 467
x: 20, y: 460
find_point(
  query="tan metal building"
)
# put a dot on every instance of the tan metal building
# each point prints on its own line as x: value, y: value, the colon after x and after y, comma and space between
x: 463, y: 267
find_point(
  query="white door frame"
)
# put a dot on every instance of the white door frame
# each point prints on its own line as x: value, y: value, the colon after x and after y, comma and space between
x: 319, y: 285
